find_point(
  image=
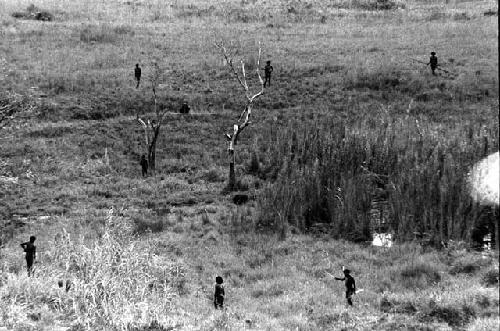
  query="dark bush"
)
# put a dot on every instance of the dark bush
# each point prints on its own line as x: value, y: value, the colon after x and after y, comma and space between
x: 143, y: 225
x: 490, y: 277
x: 421, y: 270
x: 455, y: 315
x: 34, y: 13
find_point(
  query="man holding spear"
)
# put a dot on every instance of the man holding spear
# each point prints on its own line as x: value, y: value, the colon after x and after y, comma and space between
x: 350, y: 284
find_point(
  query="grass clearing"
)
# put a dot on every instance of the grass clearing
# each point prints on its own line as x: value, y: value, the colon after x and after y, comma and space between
x: 143, y: 253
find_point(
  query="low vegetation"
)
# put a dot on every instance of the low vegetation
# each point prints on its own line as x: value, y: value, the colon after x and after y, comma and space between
x: 354, y: 135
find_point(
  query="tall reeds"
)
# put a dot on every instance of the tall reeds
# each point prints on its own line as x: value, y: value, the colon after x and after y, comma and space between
x: 331, y: 170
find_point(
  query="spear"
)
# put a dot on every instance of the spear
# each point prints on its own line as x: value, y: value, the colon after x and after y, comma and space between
x: 438, y: 67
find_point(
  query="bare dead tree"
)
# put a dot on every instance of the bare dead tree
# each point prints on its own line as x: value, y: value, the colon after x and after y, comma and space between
x: 244, y: 119
x: 152, y: 127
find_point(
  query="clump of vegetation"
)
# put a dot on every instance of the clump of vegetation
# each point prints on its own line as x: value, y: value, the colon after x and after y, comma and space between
x: 454, y: 314
x: 368, y: 4
x: 420, y: 274
x: 468, y: 264
x: 145, y: 224
x: 34, y: 13
x: 14, y: 105
x: 489, y: 277
x: 335, y: 169
x: 104, y: 33
x: 113, y: 282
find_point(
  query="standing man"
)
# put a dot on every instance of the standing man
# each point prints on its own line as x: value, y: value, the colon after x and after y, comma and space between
x: 350, y: 285
x: 137, y: 73
x: 30, y: 250
x: 267, y: 71
x: 433, y: 61
x: 219, y: 293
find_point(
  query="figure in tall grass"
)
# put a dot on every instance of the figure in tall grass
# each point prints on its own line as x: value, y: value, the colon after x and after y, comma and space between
x: 144, y: 165
x: 433, y: 62
x: 30, y: 250
x: 219, y: 293
x: 350, y: 285
x: 137, y: 72
x: 268, y: 69
x: 184, y: 108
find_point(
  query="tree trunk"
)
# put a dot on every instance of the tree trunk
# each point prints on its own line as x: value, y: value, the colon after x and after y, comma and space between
x: 496, y: 234
x: 232, y: 176
x: 152, y: 150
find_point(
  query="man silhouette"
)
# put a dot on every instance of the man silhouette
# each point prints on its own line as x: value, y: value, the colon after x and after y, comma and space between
x: 433, y: 61
x: 30, y: 250
x: 219, y: 293
x: 350, y: 285
x: 268, y: 69
x: 137, y: 72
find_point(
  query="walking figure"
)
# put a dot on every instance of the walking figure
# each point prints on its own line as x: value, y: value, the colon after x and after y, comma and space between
x: 350, y: 285
x: 219, y: 293
x: 184, y: 108
x: 433, y: 61
x: 30, y: 250
x: 137, y: 72
x: 144, y: 165
x: 267, y: 72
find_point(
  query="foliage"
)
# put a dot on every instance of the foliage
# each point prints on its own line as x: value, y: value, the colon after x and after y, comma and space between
x: 331, y: 170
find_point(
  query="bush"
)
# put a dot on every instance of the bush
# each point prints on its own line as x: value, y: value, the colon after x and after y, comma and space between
x: 143, y: 225
x: 467, y: 264
x: 490, y: 276
x: 34, y: 13
x: 213, y: 175
x: 419, y: 274
x: 455, y: 314
x: 104, y: 33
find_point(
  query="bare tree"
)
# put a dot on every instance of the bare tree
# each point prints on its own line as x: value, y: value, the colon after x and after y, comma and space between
x: 152, y: 127
x: 244, y: 119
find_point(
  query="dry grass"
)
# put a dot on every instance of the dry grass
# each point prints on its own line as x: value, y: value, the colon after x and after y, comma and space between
x: 342, y: 83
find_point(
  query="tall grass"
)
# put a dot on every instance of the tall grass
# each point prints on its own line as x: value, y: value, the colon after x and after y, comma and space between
x: 331, y: 171
x: 114, y: 283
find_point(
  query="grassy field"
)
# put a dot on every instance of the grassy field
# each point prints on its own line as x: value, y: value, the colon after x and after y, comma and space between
x: 142, y: 254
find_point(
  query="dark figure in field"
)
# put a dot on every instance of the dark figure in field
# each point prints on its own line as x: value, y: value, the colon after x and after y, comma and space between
x: 144, y: 165
x: 184, y: 108
x: 137, y: 73
x: 219, y: 293
x: 433, y: 61
x: 350, y: 285
x: 30, y: 250
x: 267, y: 72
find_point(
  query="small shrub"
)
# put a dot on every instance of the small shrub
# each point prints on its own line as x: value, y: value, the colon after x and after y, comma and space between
x: 213, y: 175
x: 379, y: 79
x: 143, y: 225
x: 34, y: 13
x: 419, y: 274
x: 490, y: 277
x: 98, y: 34
x: 454, y: 314
x: 490, y: 12
x: 467, y: 264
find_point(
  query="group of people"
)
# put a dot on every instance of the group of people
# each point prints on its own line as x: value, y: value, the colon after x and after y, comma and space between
x: 219, y: 293
x: 268, y: 69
